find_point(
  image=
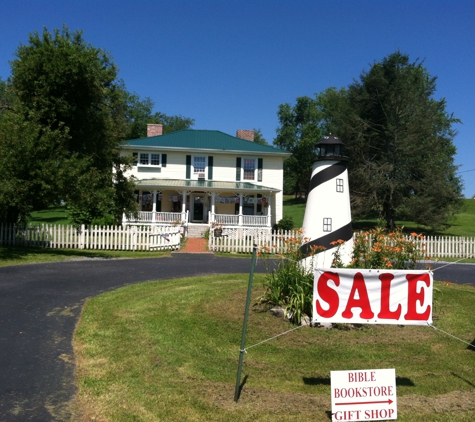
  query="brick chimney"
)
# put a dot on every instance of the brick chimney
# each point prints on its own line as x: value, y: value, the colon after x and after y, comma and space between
x: 154, y: 129
x: 248, y: 135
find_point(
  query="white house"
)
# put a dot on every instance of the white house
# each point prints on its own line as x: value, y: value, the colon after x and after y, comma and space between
x: 206, y: 176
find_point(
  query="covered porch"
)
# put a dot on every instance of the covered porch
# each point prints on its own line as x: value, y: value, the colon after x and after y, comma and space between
x: 183, y: 202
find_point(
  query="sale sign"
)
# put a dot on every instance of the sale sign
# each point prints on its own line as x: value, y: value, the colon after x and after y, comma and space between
x: 364, y: 395
x: 372, y: 296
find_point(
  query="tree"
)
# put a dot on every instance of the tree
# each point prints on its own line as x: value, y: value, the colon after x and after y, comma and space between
x: 62, y: 133
x: 139, y: 113
x: 400, y: 143
x: 298, y: 133
x: 259, y: 137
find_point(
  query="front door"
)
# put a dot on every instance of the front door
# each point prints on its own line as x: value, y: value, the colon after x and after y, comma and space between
x: 198, y: 208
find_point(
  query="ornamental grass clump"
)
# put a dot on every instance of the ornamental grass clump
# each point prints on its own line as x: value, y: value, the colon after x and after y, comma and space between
x: 290, y: 284
x: 379, y: 249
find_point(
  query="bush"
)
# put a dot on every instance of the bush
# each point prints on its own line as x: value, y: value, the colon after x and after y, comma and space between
x: 379, y: 249
x: 286, y: 223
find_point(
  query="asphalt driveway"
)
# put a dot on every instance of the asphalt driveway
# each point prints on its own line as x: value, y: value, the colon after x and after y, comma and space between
x: 40, y: 305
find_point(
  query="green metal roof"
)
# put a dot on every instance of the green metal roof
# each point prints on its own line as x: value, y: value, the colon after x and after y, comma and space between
x: 202, y: 139
x: 203, y: 185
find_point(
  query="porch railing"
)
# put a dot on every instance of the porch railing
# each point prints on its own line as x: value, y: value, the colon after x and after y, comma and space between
x: 224, y: 219
x: 158, y: 218
x: 255, y: 220
x: 240, y: 220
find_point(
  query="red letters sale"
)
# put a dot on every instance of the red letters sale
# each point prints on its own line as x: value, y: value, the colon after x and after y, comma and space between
x: 373, y: 296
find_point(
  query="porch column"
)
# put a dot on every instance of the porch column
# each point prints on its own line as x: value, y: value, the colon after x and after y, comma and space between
x: 154, y: 206
x: 213, y: 208
x: 183, y: 205
x: 269, y: 209
x: 240, y: 209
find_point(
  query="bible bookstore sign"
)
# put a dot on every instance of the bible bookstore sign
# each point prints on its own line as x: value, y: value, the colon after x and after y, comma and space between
x: 364, y: 395
x: 372, y: 296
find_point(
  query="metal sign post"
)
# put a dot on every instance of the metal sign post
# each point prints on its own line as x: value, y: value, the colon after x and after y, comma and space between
x: 244, y: 327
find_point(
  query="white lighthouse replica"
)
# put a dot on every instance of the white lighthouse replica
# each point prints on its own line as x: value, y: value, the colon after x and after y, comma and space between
x: 327, y: 219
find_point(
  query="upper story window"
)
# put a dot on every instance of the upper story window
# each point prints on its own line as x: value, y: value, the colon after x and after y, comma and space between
x: 199, y: 165
x: 147, y: 159
x: 150, y: 159
x: 249, y: 169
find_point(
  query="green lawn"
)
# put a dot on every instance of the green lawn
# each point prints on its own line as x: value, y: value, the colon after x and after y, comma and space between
x: 169, y: 350
x: 52, y: 215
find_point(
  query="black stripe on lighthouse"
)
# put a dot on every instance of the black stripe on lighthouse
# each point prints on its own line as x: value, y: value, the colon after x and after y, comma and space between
x: 344, y: 233
x: 326, y: 175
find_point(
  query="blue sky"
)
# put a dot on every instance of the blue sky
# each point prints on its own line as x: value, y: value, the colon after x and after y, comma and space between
x: 228, y: 64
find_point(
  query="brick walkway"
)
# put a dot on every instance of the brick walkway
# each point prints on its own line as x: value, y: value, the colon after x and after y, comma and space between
x: 195, y: 245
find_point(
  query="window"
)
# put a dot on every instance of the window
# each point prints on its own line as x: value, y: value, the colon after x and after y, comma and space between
x: 339, y: 185
x: 249, y: 168
x: 199, y: 164
x: 327, y: 224
x: 149, y: 159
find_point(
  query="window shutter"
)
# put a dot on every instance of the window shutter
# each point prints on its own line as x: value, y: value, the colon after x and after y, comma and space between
x: 210, y: 168
x: 135, y: 155
x: 238, y: 169
x: 259, y: 169
x: 164, y: 160
x: 188, y: 166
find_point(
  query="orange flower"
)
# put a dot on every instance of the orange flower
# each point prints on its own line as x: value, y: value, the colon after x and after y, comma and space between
x: 388, y: 264
x: 414, y: 234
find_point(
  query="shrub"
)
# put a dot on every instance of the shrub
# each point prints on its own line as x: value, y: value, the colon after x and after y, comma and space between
x: 379, y: 249
x: 286, y: 223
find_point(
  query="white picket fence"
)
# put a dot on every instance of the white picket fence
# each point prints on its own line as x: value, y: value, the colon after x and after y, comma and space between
x: 131, y: 238
x: 242, y: 241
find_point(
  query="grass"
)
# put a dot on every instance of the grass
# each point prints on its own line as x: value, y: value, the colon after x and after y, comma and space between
x: 52, y: 215
x: 169, y: 350
x: 22, y: 255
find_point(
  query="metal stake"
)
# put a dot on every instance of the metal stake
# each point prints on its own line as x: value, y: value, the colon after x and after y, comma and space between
x: 244, y: 327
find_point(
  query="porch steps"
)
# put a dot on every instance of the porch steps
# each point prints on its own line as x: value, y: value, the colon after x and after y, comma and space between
x: 197, y: 230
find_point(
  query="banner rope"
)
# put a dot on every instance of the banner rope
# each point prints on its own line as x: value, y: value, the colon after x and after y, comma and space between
x: 451, y: 263
x: 451, y: 335
x: 271, y: 338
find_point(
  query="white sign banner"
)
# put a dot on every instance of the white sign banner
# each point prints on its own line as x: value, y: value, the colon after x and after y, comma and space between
x: 372, y: 296
x: 364, y: 395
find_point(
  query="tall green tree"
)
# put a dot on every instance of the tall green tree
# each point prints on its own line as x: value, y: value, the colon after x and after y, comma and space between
x: 399, y: 139
x: 298, y: 133
x: 259, y: 137
x: 66, y: 122
x: 138, y: 113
